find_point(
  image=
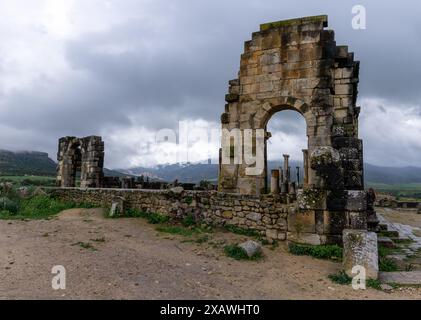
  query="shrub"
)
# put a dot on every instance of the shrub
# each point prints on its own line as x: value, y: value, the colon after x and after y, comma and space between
x: 340, y: 278
x: 189, y: 221
x: 242, y: 231
x: 387, y: 265
x: 42, y: 206
x: 8, y: 205
x: 332, y: 252
x: 156, y: 218
x: 237, y: 253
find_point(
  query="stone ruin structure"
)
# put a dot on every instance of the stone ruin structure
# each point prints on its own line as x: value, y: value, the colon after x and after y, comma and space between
x: 287, y: 65
x: 297, y: 65
x: 84, y: 155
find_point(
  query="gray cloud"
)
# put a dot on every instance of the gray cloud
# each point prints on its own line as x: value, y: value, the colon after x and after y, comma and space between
x: 153, y: 63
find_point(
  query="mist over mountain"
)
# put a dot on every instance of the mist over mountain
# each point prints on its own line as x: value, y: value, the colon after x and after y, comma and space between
x: 39, y: 163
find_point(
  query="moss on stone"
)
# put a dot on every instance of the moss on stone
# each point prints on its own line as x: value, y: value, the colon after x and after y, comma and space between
x: 292, y: 22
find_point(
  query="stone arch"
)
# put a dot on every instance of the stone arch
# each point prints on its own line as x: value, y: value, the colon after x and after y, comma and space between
x: 296, y: 65
x: 273, y: 106
x: 84, y: 155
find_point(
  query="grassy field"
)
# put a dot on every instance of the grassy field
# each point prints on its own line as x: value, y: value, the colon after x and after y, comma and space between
x: 408, y: 191
x: 29, y: 180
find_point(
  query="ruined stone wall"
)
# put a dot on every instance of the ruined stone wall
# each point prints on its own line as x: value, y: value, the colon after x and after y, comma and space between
x: 296, y: 65
x: 84, y: 155
x: 264, y: 214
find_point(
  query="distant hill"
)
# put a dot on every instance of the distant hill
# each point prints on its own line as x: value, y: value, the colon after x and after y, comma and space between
x: 38, y: 163
x: 26, y: 162
x: 391, y: 175
x: 33, y: 163
x: 197, y: 172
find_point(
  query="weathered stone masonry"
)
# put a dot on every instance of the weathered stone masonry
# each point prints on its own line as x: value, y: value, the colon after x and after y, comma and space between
x: 264, y: 214
x: 296, y: 65
x: 84, y: 155
x: 288, y: 65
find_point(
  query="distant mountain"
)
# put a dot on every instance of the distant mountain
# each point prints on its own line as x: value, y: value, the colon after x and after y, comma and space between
x: 33, y: 163
x: 196, y: 172
x: 38, y: 163
x: 26, y: 162
x: 391, y: 175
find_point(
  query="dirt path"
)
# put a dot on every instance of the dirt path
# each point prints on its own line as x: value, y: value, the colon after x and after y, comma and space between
x: 133, y: 261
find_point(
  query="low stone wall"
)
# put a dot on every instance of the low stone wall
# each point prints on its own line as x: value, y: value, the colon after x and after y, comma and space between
x: 264, y: 214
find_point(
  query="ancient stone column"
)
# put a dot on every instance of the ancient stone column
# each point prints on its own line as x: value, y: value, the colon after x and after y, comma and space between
x: 274, y: 183
x: 286, y: 167
x: 292, y: 188
x: 305, y: 167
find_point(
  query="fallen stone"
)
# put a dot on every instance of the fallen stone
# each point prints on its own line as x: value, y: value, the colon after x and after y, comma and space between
x: 252, y: 248
x: 403, y: 278
x: 386, y: 287
x: 360, y: 249
x: 117, y: 207
x: 177, y: 190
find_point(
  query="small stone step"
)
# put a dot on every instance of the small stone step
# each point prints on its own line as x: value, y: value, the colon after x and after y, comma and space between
x: 403, y: 278
x: 383, y: 227
x: 401, y: 240
x: 390, y: 234
x: 386, y: 242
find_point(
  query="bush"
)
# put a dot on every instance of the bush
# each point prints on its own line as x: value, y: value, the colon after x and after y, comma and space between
x: 237, y: 253
x: 387, y: 265
x: 8, y: 205
x: 340, y: 278
x: 42, y: 206
x: 189, y: 221
x: 331, y: 252
x: 151, y: 217
x: 242, y: 231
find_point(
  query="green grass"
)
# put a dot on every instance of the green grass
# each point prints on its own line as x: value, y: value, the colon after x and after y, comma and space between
x: 340, y: 278
x: 85, y: 245
x: 237, y: 253
x: 404, y: 191
x: 343, y: 279
x: 151, y: 217
x: 37, y: 207
x: 387, y: 265
x: 327, y: 252
x: 29, y: 180
x: 189, y: 221
x: 178, y: 230
x: 242, y: 231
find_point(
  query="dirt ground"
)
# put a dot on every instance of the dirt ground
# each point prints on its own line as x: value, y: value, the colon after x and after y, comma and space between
x: 131, y: 260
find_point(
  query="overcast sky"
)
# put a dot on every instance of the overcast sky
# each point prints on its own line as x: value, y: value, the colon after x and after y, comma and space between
x: 128, y: 68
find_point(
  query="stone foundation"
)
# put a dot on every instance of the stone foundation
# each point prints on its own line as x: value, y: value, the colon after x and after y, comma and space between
x: 264, y: 214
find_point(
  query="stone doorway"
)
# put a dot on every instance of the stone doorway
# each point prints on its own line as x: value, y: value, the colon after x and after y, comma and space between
x: 287, y: 139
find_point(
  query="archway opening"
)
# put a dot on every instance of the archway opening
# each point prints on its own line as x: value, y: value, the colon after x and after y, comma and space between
x: 77, y: 164
x: 287, y: 136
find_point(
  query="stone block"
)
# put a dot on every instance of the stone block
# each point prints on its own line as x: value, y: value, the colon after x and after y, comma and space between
x: 356, y: 200
x: 252, y: 248
x: 305, y: 238
x: 302, y: 222
x: 360, y: 249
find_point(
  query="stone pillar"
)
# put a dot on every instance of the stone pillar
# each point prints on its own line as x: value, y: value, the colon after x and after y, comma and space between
x: 360, y: 249
x: 292, y: 188
x: 305, y: 167
x: 274, y: 183
x: 286, y: 167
